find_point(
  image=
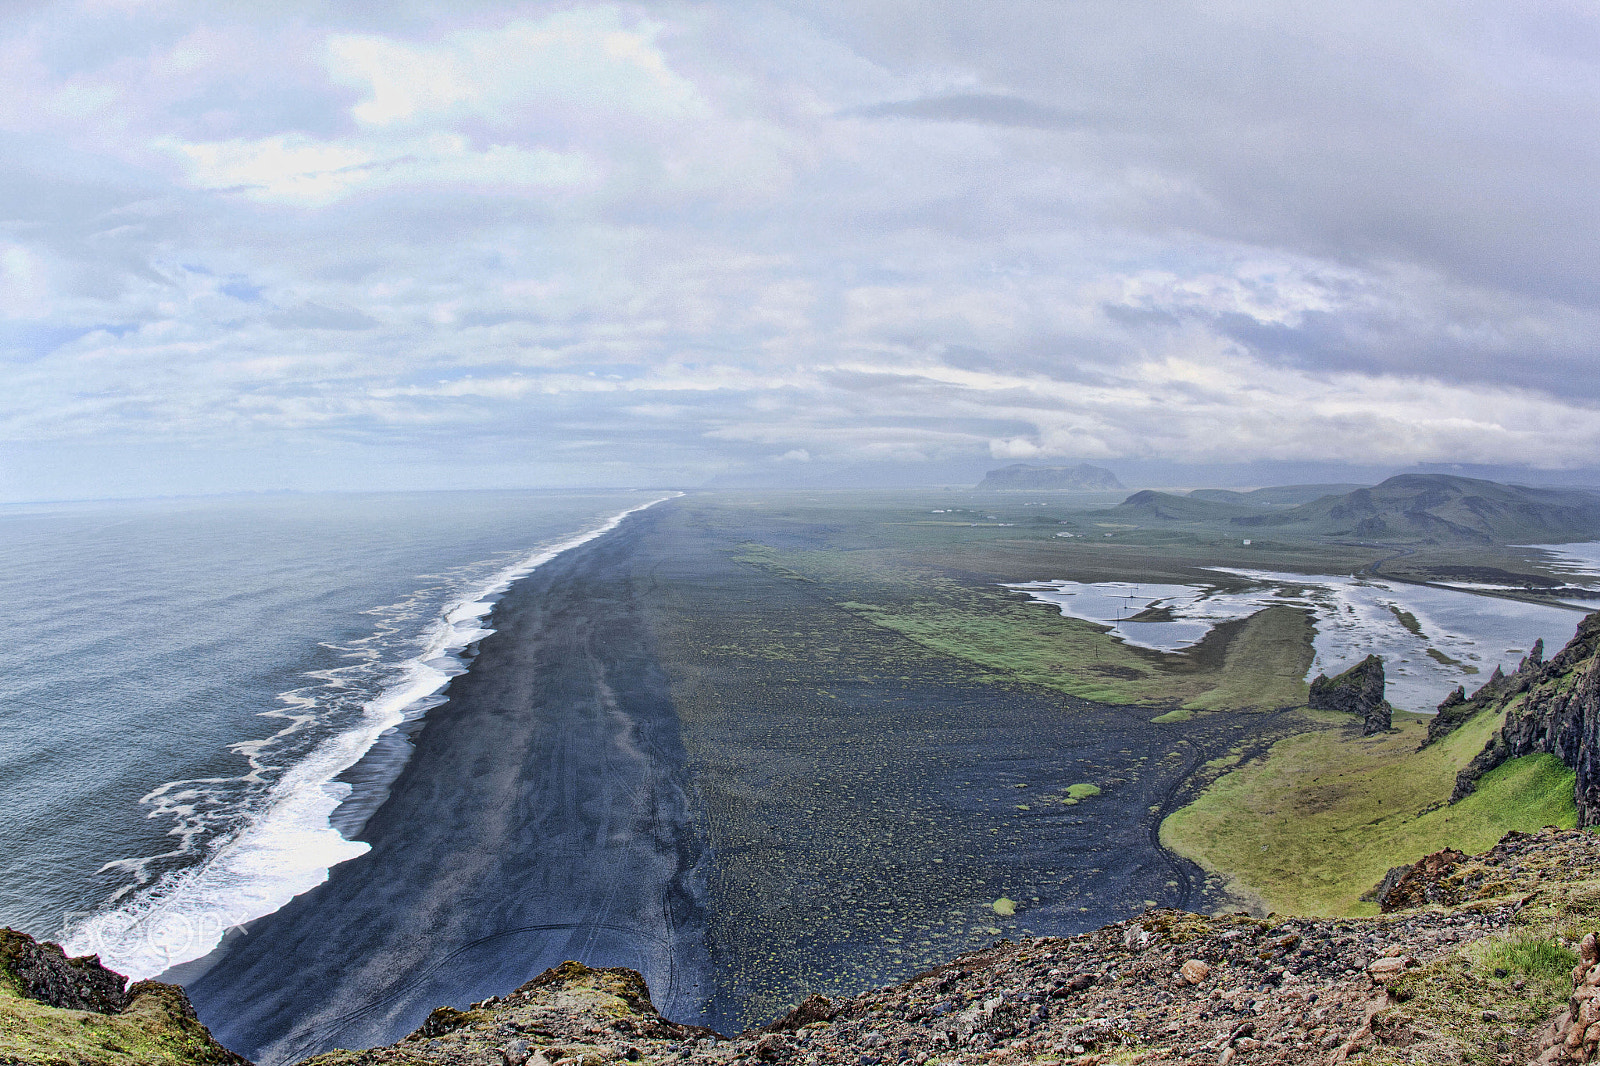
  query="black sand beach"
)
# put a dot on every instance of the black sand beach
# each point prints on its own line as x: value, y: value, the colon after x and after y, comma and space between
x: 671, y: 759
x: 543, y: 816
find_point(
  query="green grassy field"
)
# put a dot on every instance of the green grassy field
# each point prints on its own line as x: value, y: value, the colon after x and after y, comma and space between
x: 1254, y: 663
x: 1259, y: 663
x: 1317, y: 822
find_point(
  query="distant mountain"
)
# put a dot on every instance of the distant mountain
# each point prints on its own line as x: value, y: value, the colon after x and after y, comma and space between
x: 1443, y: 507
x: 1080, y: 478
x: 1168, y: 507
x: 1275, y: 496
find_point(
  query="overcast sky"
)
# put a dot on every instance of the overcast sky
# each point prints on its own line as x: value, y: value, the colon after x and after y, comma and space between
x: 388, y: 244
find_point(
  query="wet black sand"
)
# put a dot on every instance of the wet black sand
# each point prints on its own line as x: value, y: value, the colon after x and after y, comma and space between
x: 543, y: 816
x: 672, y: 759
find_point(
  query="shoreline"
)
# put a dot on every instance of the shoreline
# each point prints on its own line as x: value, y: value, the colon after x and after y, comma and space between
x: 467, y: 622
x: 308, y: 821
x: 497, y: 852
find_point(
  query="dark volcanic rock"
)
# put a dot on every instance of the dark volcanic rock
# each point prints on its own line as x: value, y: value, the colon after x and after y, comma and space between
x: 44, y: 973
x: 813, y: 1009
x: 1357, y: 691
x: 1458, y: 706
x: 1451, y: 712
x: 90, y: 1016
x: 1559, y: 714
x: 1423, y: 882
x: 1082, y: 478
x: 1390, y: 879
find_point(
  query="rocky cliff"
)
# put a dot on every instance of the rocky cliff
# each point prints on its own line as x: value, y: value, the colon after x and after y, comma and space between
x: 1481, y: 975
x: 1550, y: 707
x: 1357, y: 691
x: 56, y: 1011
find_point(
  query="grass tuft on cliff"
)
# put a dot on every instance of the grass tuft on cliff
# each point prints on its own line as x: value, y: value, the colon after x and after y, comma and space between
x: 157, y: 1029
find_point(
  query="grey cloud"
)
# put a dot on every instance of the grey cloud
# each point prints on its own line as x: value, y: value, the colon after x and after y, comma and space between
x: 986, y: 109
x: 240, y: 290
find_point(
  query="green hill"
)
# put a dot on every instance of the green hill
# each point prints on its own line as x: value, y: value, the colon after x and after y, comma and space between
x: 1442, y: 507
x: 1150, y: 505
x: 1274, y: 496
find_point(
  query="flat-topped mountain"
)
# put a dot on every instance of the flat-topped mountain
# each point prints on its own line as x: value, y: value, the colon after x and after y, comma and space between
x: 1080, y: 478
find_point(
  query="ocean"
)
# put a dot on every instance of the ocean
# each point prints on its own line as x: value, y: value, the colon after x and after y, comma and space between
x: 195, y: 693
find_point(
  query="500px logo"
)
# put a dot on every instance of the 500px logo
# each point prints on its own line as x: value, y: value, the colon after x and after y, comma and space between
x: 146, y: 942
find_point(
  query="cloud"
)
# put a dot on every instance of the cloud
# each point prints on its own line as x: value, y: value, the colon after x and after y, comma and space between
x: 1014, y: 448
x: 986, y: 109
x: 588, y: 59
x: 315, y: 316
x: 692, y: 236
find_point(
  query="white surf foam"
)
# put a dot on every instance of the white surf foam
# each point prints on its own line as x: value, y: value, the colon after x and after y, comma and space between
x: 287, y: 844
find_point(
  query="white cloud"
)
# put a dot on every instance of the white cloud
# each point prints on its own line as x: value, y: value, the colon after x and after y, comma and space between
x: 24, y: 281
x: 1014, y: 448
x: 585, y: 60
x: 296, y: 169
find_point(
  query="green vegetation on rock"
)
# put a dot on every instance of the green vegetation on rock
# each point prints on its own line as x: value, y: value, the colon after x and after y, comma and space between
x: 152, y: 1025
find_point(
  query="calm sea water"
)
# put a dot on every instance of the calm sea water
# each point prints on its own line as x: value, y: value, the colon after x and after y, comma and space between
x: 188, y: 688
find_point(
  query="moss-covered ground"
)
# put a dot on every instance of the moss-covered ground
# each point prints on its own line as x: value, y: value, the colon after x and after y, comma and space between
x: 1316, y: 822
x: 153, y: 1031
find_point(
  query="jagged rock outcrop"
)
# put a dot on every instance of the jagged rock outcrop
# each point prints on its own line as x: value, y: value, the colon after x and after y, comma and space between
x: 1552, y: 708
x: 1357, y: 691
x: 1423, y: 882
x: 1560, y: 715
x: 60, y: 1011
x: 43, y: 973
x: 572, y: 1013
x: 1458, y: 706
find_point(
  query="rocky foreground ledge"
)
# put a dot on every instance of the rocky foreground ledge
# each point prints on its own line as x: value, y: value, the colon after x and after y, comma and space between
x: 1486, y: 959
x: 1475, y: 963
